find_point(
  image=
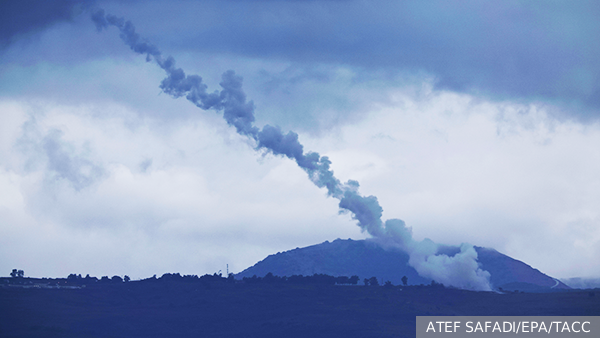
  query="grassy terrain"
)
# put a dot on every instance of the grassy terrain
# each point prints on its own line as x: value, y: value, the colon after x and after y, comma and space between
x: 180, y: 309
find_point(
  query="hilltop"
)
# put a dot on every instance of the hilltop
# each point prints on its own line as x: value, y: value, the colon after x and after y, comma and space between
x: 366, y: 259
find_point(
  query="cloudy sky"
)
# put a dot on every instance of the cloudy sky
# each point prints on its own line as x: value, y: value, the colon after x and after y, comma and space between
x: 472, y: 121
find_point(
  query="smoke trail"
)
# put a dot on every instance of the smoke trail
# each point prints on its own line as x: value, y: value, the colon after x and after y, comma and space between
x: 460, y: 270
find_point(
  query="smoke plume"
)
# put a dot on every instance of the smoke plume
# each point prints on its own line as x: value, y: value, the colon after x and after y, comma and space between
x: 460, y: 270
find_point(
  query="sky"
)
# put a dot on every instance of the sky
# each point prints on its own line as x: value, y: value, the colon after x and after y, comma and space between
x: 472, y: 121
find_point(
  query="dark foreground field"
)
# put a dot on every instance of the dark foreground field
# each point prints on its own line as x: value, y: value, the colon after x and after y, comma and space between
x: 176, y: 309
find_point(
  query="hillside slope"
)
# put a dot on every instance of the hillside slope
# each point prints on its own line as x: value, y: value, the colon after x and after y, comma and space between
x: 367, y: 259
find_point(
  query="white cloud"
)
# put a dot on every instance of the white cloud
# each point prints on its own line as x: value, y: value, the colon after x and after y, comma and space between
x: 207, y: 199
x: 492, y: 174
x: 454, y: 168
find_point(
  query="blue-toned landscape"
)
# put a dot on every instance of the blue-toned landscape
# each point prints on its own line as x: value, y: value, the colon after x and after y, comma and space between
x: 453, y: 145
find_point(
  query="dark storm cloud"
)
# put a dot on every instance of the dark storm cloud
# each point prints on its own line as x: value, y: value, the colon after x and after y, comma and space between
x: 530, y: 51
x: 519, y: 51
x: 24, y: 17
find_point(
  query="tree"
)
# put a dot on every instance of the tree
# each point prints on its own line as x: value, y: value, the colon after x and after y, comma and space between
x: 404, y: 280
x: 373, y: 281
x: 88, y: 278
x: 13, y: 274
x: 126, y: 278
x: 354, y: 280
x: 342, y: 280
x: 366, y: 281
x: 436, y: 284
x: 269, y: 278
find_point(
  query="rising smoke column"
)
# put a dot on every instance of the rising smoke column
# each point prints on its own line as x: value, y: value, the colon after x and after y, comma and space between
x: 460, y: 270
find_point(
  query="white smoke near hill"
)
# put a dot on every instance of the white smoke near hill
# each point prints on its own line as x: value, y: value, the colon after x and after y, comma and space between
x: 460, y: 270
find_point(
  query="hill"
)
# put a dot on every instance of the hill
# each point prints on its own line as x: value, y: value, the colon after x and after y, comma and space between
x: 367, y: 259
